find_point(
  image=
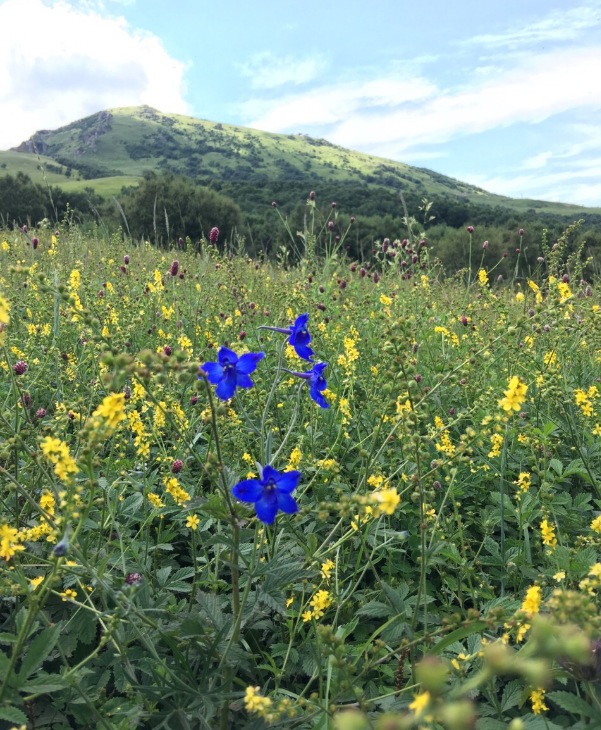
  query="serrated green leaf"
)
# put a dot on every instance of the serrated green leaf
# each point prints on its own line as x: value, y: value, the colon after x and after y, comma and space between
x: 571, y: 703
x: 375, y: 609
x: 38, y: 650
x: 12, y: 714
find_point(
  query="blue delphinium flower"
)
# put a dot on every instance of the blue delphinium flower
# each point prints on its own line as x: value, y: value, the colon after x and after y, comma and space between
x: 317, y: 382
x: 299, y: 336
x: 270, y: 493
x: 231, y: 371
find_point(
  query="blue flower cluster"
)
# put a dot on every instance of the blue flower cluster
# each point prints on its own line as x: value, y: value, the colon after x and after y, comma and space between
x: 273, y: 491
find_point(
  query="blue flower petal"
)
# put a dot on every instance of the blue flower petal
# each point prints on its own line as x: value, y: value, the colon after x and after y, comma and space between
x: 303, y: 351
x: 270, y: 473
x: 301, y: 321
x: 243, y: 381
x: 287, y: 503
x: 287, y: 481
x: 267, y: 507
x: 227, y: 385
x: 249, y: 490
x: 214, y: 372
x: 248, y: 363
x: 227, y: 356
x: 318, y: 398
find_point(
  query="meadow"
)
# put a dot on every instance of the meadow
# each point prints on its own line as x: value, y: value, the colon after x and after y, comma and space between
x: 313, y: 492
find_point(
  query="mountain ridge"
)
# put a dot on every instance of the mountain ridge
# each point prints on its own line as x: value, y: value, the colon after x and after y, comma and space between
x: 118, y: 146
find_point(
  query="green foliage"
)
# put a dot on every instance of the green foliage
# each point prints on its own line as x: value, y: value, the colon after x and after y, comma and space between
x: 188, y: 210
x: 443, y: 569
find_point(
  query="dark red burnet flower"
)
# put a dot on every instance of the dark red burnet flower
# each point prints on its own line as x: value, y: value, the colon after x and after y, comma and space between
x: 521, y: 231
x: 167, y: 350
x: 331, y: 225
x: 470, y: 229
x: 214, y: 234
x: 312, y: 195
x: 126, y: 259
x: 40, y: 413
x: 274, y: 204
x: 133, y: 579
x: 174, y: 268
x: 177, y: 466
x: 20, y: 367
x: 193, y: 400
x: 34, y: 243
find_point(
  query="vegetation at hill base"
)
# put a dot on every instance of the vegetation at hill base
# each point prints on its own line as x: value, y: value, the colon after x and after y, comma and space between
x: 313, y: 491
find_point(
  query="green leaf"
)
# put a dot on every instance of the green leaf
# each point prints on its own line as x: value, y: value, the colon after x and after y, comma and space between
x: 571, y: 703
x: 475, y: 627
x: 38, y: 650
x: 12, y: 714
x: 375, y: 609
x: 396, y: 596
x: 556, y: 465
x: 44, y: 684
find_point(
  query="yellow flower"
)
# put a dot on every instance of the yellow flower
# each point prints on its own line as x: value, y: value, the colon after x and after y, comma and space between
x: 9, y: 542
x: 523, y: 481
x: 155, y: 500
x: 483, y: 277
x: 320, y: 602
x: 307, y: 616
x: 112, y: 410
x: 532, y: 600
x: 596, y: 524
x: 537, y: 697
x: 515, y: 395
x: 47, y: 502
x: 173, y: 488
x: 326, y: 569
x: 35, y: 582
x: 548, y: 534
x: 519, y: 297
x: 420, y: 702
x: 57, y: 452
x: 4, y: 310
x: 68, y: 594
x: 387, y: 500
x: 559, y: 576
x: 386, y: 301
x: 192, y: 521
x: 295, y: 459
x: 254, y: 702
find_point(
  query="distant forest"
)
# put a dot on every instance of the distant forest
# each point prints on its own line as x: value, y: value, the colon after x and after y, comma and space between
x: 165, y: 207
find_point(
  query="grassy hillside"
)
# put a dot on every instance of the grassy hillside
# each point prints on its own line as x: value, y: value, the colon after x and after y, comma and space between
x: 115, y: 147
x: 36, y: 166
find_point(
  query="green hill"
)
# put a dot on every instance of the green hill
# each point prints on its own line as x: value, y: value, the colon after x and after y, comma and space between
x: 114, y: 148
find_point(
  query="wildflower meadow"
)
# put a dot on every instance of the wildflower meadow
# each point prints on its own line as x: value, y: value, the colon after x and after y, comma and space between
x: 314, y: 493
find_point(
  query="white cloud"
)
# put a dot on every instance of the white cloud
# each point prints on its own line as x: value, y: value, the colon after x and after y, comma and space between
x: 332, y: 104
x: 578, y: 185
x: 537, y: 161
x: 388, y: 117
x: 268, y: 71
x: 559, y: 25
x: 67, y: 63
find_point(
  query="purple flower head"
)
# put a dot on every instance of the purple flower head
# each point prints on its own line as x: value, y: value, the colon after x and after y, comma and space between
x: 231, y: 371
x: 174, y: 268
x: 269, y: 494
x: 20, y: 367
x: 317, y: 382
x: 214, y: 234
x: 299, y: 336
x: 470, y: 229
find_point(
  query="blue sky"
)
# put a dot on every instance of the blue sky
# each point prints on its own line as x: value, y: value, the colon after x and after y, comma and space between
x: 505, y: 95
